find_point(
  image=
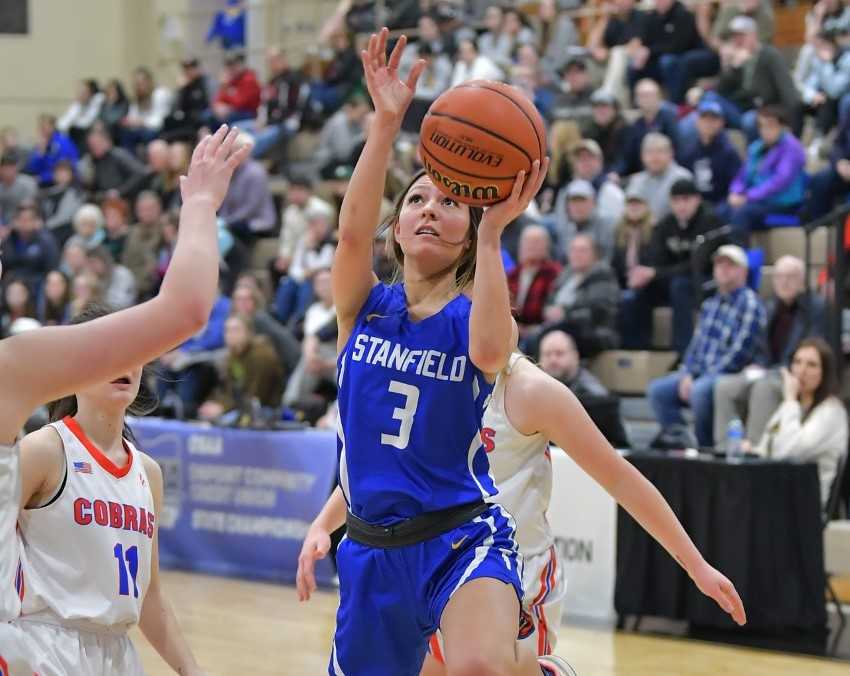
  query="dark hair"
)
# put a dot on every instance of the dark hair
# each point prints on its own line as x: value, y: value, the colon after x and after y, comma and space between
x: 775, y: 111
x: 828, y: 386
x: 145, y: 401
x: 48, y: 313
x: 92, y: 86
x: 119, y: 89
x: 28, y: 205
x: 29, y: 307
x: 466, y: 266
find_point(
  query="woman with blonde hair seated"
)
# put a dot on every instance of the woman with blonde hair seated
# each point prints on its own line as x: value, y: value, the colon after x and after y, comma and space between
x: 811, y: 423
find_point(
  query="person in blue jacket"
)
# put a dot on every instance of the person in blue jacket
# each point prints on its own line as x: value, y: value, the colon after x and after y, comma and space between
x: 53, y: 146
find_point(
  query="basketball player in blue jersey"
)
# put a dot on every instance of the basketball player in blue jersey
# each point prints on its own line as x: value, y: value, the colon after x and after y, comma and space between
x: 416, y: 364
x: 50, y: 363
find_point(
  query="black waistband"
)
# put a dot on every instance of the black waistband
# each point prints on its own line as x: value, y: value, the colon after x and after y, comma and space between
x: 418, y: 529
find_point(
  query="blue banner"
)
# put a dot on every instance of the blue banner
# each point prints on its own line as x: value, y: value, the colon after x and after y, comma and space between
x: 239, y: 502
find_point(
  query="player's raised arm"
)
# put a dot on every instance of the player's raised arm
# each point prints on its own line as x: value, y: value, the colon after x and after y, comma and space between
x: 358, y: 218
x: 492, y: 331
x: 50, y: 363
x: 543, y: 404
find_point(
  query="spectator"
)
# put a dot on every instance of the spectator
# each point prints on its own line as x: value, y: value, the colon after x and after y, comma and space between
x: 533, y: 279
x: 78, y: 119
x: 659, y: 174
x: 772, y: 179
x: 166, y: 164
x: 191, y: 105
x: 313, y: 252
x: 826, y: 16
x: 832, y: 183
x: 248, y: 208
x: 711, y: 157
x: 15, y: 188
x: 143, y: 243
x: 115, y: 107
x: 84, y: 291
x: 573, y: 101
x: 188, y: 372
x: 631, y: 241
x: 584, y: 300
x: 248, y: 302
x: 607, y: 127
x: 616, y: 34
x: 559, y: 36
x: 157, y: 167
x: 60, y: 202
x: 654, y: 117
x: 29, y: 251
x: 300, y: 202
x: 825, y: 90
x: 470, y: 65
x: 342, y: 133
x: 755, y: 393
x: 562, y: 136
x: 576, y: 213
x: 434, y: 81
x: 251, y: 373
x: 588, y: 165
x: 727, y: 337
x: 283, y: 102
x: 88, y: 226
x: 317, y: 368
x: 116, y: 213
x: 54, y: 303
x: 560, y: 359
x: 17, y: 303
x: 672, y: 50
x: 108, y: 169
x: 239, y: 95
x: 494, y: 43
x: 674, y: 259
x: 147, y: 111
x: 52, y: 147
x: 118, y: 287
x: 74, y: 260
x: 167, y: 243
x: 527, y: 79
x: 753, y: 75
x: 340, y: 77
x: 811, y: 423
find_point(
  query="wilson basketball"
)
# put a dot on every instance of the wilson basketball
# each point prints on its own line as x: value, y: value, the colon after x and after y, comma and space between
x: 477, y: 136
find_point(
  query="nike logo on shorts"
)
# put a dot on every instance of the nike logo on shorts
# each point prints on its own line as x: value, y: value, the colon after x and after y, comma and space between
x: 456, y: 545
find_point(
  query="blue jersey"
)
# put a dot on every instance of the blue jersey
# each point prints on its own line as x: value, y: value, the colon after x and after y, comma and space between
x: 410, y: 408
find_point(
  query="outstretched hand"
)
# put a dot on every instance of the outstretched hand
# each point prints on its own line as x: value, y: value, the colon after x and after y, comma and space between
x: 714, y: 584
x: 213, y: 162
x: 390, y: 95
x: 498, y: 216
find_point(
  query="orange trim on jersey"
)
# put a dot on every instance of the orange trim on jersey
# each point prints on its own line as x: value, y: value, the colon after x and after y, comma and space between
x: 547, y: 583
x: 96, y: 453
x: 435, y: 649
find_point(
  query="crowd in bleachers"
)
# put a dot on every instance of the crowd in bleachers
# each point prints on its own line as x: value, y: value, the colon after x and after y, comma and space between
x: 675, y: 129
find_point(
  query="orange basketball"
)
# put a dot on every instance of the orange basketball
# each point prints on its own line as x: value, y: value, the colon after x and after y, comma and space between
x: 477, y: 136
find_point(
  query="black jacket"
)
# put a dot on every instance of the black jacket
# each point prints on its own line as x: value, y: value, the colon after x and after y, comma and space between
x: 770, y: 83
x: 672, y: 33
x: 671, y: 247
x: 809, y: 320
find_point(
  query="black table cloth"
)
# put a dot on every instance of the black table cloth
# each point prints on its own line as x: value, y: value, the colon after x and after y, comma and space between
x: 756, y: 521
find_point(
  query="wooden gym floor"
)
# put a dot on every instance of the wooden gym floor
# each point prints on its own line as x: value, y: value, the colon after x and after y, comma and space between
x: 237, y: 627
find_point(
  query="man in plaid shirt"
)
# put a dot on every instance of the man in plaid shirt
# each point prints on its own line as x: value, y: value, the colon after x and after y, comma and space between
x: 727, y: 337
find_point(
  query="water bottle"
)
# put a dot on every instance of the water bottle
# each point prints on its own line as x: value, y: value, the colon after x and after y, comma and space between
x: 734, y: 437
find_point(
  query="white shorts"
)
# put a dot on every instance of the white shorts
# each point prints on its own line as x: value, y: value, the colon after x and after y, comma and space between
x: 10, y: 572
x: 60, y: 651
x: 17, y: 656
x: 544, y: 591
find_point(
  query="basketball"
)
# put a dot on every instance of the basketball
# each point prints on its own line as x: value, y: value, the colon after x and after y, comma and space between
x: 477, y: 136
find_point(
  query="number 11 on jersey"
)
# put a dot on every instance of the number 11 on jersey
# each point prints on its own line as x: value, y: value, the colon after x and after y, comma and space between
x: 132, y: 562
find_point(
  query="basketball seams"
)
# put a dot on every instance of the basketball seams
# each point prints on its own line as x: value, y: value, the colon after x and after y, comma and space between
x: 468, y: 123
x: 461, y: 171
x: 496, y: 90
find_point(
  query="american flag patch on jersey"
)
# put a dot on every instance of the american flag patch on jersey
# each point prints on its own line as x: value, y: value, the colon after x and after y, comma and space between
x: 82, y: 467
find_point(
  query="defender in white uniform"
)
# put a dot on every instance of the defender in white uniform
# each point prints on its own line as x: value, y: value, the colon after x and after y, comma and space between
x: 87, y: 555
x: 41, y: 365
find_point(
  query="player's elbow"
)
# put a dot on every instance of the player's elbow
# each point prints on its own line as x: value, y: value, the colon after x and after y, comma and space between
x: 489, y: 356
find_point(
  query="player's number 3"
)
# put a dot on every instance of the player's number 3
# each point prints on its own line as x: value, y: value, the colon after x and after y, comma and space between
x: 404, y: 414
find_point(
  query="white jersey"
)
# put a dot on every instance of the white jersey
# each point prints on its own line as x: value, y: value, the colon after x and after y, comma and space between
x: 11, y: 577
x: 87, y: 554
x: 522, y: 469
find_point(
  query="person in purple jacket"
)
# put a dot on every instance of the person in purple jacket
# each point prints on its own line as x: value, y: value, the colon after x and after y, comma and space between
x: 772, y: 178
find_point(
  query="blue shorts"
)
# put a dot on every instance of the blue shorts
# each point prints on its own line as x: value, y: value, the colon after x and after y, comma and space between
x: 391, y: 600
